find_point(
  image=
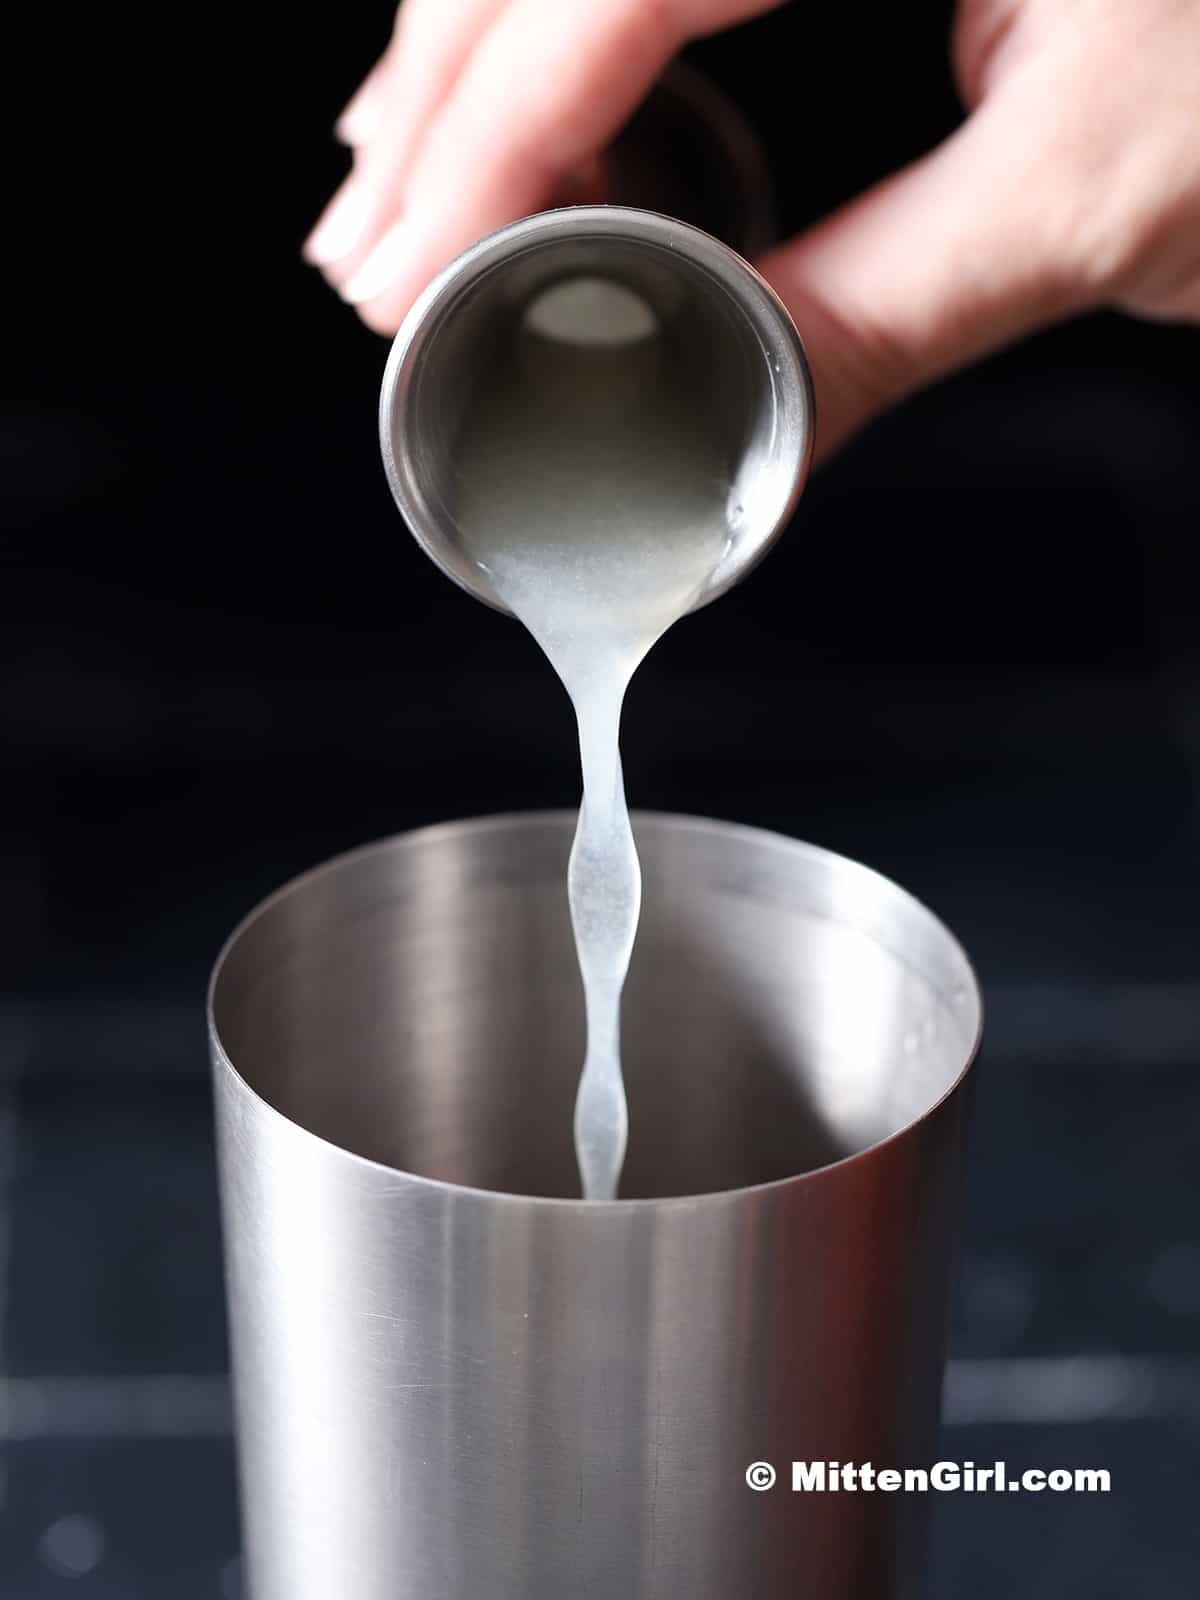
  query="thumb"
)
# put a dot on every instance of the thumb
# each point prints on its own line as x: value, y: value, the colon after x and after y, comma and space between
x: 946, y: 260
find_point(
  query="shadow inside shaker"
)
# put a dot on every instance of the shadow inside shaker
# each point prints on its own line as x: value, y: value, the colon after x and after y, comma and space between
x: 419, y: 1004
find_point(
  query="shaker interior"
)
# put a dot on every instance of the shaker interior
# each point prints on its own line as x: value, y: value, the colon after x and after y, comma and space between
x: 419, y: 1003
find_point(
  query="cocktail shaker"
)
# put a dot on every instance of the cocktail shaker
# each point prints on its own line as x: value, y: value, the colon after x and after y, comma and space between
x: 455, y: 1381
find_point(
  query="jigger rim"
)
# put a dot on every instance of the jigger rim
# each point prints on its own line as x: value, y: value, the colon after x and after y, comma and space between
x: 782, y: 348
x: 430, y: 834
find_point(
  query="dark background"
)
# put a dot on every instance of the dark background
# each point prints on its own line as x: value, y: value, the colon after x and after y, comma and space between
x: 972, y: 662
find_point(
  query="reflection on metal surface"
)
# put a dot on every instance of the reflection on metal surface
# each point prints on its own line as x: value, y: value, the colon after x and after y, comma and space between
x: 1015, y: 1390
x: 450, y: 1377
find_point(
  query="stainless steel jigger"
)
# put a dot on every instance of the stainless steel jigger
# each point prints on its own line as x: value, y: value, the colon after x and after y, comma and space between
x: 719, y: 320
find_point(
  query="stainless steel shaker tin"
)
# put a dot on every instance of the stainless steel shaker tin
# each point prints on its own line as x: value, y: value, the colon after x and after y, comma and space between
x: 452, y: 1380
x: 722, y: 322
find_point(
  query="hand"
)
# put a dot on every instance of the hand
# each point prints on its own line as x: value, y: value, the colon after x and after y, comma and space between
x: 1073, y: 183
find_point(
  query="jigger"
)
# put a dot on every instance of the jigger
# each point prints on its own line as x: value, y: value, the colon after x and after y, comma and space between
x: 455, y: 1382
x: 720, y: 325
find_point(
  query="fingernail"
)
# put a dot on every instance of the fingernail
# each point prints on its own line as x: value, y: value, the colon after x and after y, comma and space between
x: 381, y: 268
x: 341, y: 227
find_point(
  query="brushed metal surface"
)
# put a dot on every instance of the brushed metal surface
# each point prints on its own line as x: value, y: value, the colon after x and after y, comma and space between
x: 453, y: 1381
x: 723, y: 326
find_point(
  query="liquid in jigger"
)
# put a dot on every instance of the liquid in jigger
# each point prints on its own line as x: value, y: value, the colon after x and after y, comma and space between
x: 593, y: 494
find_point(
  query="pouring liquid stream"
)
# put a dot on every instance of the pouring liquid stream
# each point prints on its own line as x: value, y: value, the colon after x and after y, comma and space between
x: 593, y: 495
